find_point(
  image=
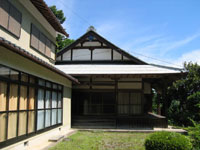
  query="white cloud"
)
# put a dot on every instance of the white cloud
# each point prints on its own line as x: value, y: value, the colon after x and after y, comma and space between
x: 192, y: 56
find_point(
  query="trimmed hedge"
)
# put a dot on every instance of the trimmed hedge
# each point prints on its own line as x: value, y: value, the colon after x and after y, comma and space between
x: 167, y: 141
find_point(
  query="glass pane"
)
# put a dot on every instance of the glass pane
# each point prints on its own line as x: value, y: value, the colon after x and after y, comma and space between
x: 59, y: 100
x: 48, y: 84
x: 31, y: 98
x: 31, y: 121
x: 12, y: 125
x: 22, y: 123
x: 59, y: 115
x: 123, y: 98
x: 135, y: 98
x: 24, y: 77
x: 135, y: 109
x: 40, y: 98
x: 54, y: 86
x: 60, y: 87
x: 14, y: 75
x: 3, y: 90
x: 13, y: 97
x: 40, y: 119
x: 47, y: 99
x: 48, y: 118
x: 32, y: 79
x: 123, y: 109
x: 2, y: 127
x: 4, y: 71
x: 54, y: 116
x: 41, y: 82
x: 23, y: 98
x: 54, y: 100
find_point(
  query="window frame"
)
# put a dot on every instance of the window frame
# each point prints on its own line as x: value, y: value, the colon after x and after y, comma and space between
x: 7, y: 28
x: 29, y: 85
x: 46, y: 38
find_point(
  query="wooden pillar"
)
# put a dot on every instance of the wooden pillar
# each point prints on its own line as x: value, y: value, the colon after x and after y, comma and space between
x: 158, y: 104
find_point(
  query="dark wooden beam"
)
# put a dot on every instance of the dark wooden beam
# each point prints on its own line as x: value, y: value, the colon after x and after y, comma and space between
x: 91, y: 47
x: 95, y: 62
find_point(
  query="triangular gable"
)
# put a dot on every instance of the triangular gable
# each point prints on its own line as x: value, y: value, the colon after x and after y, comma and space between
x: 93, y: 48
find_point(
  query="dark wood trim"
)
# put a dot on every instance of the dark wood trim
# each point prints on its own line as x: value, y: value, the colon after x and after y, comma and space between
x: 91, y: 54
x: 71, y: 55
x: 91, y: 47
x: 95, y: 62
x: 111, y: 54
x: 103, y: 40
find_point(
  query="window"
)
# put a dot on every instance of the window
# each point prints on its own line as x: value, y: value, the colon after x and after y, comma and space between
x: 40, y: 42
x: 10, y: 18
x: 27, y: 104
x: 129, y: 103
x: 93, y: 103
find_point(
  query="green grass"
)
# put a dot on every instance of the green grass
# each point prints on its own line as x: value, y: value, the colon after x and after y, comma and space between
x: 83, y: 140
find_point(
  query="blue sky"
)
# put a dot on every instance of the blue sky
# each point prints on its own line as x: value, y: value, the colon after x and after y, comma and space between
x: 168, y: 30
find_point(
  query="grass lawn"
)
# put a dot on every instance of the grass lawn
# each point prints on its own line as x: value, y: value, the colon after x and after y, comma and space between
x: 83, y: 140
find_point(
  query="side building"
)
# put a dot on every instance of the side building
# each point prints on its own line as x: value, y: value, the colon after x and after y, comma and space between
x: 35, y: 97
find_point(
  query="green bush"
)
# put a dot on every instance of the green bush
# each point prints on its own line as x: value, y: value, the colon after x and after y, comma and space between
x: 167, y: 141
x: 194, y: 134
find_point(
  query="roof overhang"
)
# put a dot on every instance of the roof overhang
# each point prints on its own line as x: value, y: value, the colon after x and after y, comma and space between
x: 122, y: 69
x: 16, y: 49
x: 48, y: 14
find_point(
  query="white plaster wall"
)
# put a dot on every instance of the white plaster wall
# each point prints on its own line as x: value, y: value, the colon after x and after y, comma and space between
x: 116, y: 55
x: 67, y: 55
x: 27, y: 19
x: 81, y: 54
x: 92, y: 44
x: 102, y: 54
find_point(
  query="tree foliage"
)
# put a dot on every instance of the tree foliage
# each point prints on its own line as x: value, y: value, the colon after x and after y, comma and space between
x: 61, y: 41
x: 184, y: 97
x: 58, y: 13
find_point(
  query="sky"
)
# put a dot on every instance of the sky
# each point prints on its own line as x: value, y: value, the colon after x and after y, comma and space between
x: 165, y: 32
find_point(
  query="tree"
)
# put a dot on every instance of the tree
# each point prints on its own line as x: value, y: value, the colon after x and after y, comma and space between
x: 61, y: 41
x: 184, y: 97
x: 58, y: 13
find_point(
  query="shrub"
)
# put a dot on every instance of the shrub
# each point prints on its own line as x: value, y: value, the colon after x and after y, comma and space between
x: 194, y: 134
x: 167, y: 141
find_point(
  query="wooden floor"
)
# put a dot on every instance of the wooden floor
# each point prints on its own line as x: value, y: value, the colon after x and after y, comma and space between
x: 148, y: 121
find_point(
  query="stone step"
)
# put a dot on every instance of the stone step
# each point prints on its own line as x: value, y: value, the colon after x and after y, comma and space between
x: 56, y: 138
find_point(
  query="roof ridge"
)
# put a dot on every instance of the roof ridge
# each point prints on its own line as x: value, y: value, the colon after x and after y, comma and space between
x: 167, y: 67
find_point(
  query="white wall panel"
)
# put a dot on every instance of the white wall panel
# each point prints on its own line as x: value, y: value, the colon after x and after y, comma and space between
x: 102, y: 54
x: 92, y: 44
x: 81, y: 54
x: 67, y: 55
x: 116, y: 55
